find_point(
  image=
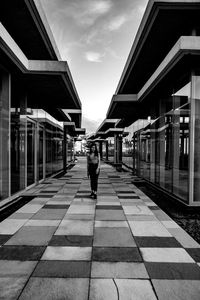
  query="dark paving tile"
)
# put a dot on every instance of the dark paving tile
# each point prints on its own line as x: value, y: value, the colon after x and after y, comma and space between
x: 128, y: 197
x: 83, y: 192
x: 44, y: 196
x: 154, y: 207
x: 48, y: 192
x: 152, y: 241
x: 115, y: 207
x: 82, y: 195
x: 116, y: 254
x: 4, y: 238
x: 60, y: 269
x: 113, y: 176
x: 21, y: 252
x: 71, y: 240
x: 56, y: 206
x: 125, y: 192
x: 195, y: 253
x: 173, y: 270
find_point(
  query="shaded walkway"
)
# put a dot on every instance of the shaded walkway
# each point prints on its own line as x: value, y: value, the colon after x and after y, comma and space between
x: 64, y: 245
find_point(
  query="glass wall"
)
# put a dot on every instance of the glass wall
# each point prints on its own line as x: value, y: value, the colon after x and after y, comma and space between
x: 4, y: 133
x: 111, y: 146
x: 161, y: 149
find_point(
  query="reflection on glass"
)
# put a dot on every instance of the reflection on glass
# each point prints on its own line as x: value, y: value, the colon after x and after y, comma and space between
x: 4, y: 135
x: 31, y: 131
x: 111, y: 149
x: 40, y: 152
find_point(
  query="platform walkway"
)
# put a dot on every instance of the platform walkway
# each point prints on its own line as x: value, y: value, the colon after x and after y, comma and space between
x: 64, y: 245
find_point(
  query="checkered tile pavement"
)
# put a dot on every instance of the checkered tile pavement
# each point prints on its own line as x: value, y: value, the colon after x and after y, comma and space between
x: 65, y: 245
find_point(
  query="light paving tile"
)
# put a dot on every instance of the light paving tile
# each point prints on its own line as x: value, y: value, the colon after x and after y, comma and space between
x: 78, y: 217
x: 118, y: 270
x: 56, y: 289
x: 30, y: 208
x: 141, y: 218
x: 137, y: 210
x: 75, y: 227
x: 113, y: 237
x: 10, y: 226
x: 67, y: 253
x: 103, y: 289
x: 170, y: 224
x: 184, y: 238
x: 148, y: 228
x: 15, y: 268
x: 166, y: 255
x: 59, y: 202
x: 11, y: 287
x: 42, y: 223
x: 86, y: 209
x: 32, y: 235
x: 20, y: 216
x: 111, y: 224
x: 102, y: 203
x: 177, y: 289
x: 135, y: 289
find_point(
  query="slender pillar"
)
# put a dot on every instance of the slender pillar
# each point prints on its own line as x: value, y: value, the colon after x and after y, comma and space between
x: 100, y: 149
x: 65, y: 149
x: 106, y: 150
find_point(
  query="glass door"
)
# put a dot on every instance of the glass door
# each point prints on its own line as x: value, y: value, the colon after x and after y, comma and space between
x: 31, y: 144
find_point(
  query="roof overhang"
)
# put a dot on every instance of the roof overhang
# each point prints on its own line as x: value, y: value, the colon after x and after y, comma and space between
x: 125, y: 108
x: 48, y: 83
x: 106, y: 124
x: 114, y: 131
x: 164, y: 21
x: 80, y: 131
x: 75, y: 115
x: 26, y: 22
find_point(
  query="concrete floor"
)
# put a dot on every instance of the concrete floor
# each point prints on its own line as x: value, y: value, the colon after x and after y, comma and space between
x: 65, y: 245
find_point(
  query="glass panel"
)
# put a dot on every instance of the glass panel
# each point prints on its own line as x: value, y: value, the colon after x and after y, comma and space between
x: 31, y: 130
x: 111, y: 149
x: 40, y: 152
x: 4, y: 135
x: 195, y: 103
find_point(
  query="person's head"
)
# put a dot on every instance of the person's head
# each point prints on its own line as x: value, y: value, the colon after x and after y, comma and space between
x: 93, y: 149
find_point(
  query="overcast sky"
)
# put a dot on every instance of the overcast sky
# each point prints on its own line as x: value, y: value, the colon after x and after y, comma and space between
x: 95, y: 37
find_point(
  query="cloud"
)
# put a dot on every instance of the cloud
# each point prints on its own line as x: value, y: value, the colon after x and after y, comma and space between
x: 94, y: 56
x: 86, y: 12
x: 117, y: 22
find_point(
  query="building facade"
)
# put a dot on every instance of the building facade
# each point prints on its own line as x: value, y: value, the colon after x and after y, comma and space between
x: 160, y: 85
x: 38, y: 100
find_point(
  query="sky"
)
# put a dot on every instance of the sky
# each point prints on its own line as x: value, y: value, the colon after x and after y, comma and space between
x: 95, y: 38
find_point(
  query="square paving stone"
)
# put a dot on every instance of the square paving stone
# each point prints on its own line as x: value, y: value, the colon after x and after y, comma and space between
x: 15, y: 268
x: 113, y: 237
x: 49, y: 214
x: 4, y: 238
x: 56, y: 206
x: 110, y: 224
x: 148, y: 228
x: 32, y: 235
x: 71, y: 240
x: 153, y: 241
x: 177, y: 289
x: 115, y: 215
x: 78, y: 217
x: 21, y: 216
x: 10, y: 226
x: 21, y: 253
x: 118, y: 270
x: 137, y: 210
x: 194, y: 253
x: 75, y: 227
x: 178, y: 255
x: 30, y: 208
x: 56, y: 289
x: 135, y: 289
x: 173, y: 270
x: 141, y: 218
x: 109, y: 254
x: 67, y: 253
x: 104, y: 289
x: 59, y: 269
x: 184, y: 238
x: 10, y: 288
x: 45, y: 223
x: 81, y: 209
x: 113, y: 207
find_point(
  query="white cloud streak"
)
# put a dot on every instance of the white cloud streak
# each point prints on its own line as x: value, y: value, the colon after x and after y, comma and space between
x: 94, y: 56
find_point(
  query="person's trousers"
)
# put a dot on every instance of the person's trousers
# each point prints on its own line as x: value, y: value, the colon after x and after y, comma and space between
x: 93, y: 176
